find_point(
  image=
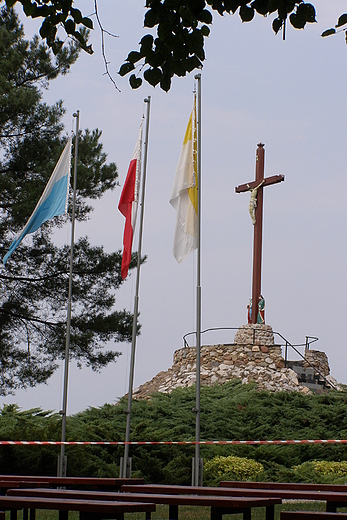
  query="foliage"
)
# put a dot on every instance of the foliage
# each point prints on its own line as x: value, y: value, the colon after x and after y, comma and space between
x: 322, y: 471
x: 30, y: 424
x: 34, y: 285
x: 232, y: 468
x: 340, y: 26
x: 232, y: 411
x: 181, y: 28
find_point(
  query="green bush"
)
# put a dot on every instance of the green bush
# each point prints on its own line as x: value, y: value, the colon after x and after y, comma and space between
x: 229, y: 412
x: 321, y: 471
x: 232, y: 468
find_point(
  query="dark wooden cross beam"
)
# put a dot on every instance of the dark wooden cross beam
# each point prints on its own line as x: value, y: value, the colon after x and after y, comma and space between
x: 258, y: 226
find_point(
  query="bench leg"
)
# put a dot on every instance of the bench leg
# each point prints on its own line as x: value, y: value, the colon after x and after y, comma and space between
x: 2, y: 515
x: 247, y: 514
x: 331, y: 507
x: 13, y: 514
x: 173, y: 512
x: 148, y: 515
x: 32, y: 514
x: 270, y: 512
x: 63, y: 515
x: 216, y: 513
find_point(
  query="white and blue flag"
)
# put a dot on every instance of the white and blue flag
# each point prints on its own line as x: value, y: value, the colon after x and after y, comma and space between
x: 53, y: 201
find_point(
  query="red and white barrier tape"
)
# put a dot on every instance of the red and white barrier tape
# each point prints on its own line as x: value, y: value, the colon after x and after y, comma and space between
x: 180, y: 443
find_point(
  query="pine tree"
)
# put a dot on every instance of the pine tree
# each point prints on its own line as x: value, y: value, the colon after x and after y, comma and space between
x: 34, y: 284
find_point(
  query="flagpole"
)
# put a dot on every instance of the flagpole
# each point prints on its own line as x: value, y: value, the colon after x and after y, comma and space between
x: 124, y: 471
x: 198, y: 476
x: 62, y: 460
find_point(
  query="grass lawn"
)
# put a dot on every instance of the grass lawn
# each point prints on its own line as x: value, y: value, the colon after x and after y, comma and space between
x: 194, y: 513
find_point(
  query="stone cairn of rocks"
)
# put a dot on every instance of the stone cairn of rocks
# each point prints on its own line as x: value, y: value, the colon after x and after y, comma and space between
x: 253, y: 357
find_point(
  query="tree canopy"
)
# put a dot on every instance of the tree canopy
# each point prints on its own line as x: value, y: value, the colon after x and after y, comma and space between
x: 233, y: 411
x: 34, y: 284
x: 181, y: 27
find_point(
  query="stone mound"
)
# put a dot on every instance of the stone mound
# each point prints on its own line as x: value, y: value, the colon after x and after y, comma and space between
x: 253, y: 357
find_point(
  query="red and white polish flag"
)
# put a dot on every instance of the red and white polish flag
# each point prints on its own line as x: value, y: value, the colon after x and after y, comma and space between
x: 128, y: 202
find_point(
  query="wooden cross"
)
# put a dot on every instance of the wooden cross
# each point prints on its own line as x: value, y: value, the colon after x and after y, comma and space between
x: 258, y: 183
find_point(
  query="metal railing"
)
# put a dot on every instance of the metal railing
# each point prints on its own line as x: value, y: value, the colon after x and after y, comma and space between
x: 308, y: 341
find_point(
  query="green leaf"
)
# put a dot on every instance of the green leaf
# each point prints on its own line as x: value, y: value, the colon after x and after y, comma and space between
x: 218, y: 5
x: 46, y: 29
x: 151, y: 18
x: 246, y: 13
x: 164, y: 29
x: 197, y: 6
x: 81, y: 38
x: 76, y: 15
x: 87, y: 22
x: 70, y: 26
x: 290, y: 4
x: 135, y: 82
x: 28, y: 8
x: 305, y: 13
x: 328, y: 32
x: 196, y: 43
x: 296, y: 21
x: 134, y: 56
x: 260, y: 6
x: 342, y: 20
x: 277, y: 24
x: 155, y: 60
x: 153, y: 76
x: 165, y: 84
x: 56, y: 47
x: 126, y: 68
x: 205, y: 16
x: 179, y: 68
x: 192, y: 63
x: 205, y: 31
x: 272, y: 6
x: 310, y: 13
x: 146, y: 44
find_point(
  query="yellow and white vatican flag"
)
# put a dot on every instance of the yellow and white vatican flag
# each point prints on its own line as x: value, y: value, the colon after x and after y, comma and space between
x: 184, y: 195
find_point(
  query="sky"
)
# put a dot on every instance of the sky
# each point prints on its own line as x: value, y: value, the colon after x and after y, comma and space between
x: 289, y: 95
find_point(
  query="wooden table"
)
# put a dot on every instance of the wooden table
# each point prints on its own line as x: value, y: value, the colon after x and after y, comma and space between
x: 333, y: 499
x: 298, y: 486
x: 88, y: 509
x: 75, y: 482
x: 220, y: 505
x: 7, y: 484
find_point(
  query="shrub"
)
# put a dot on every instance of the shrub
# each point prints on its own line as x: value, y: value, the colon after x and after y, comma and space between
x: 322, y: 471
x: 232, y: 468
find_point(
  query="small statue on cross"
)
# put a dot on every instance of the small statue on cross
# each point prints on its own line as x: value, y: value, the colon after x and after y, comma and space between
x: 261, y: 310
x: 249, y: 312
x: 253, y: 200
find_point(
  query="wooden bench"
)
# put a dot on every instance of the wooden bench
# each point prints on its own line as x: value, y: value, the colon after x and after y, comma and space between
x: 333, y: 499
x: 220, y: 505
x: 312, y: 515
x: 7, y: 484
x: 284, y: 485
x: 75, y: 482
x: 88, y: 509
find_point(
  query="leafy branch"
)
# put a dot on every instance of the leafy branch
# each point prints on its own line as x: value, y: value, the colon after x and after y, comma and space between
x: 181, y: 28
x: 340, y: 23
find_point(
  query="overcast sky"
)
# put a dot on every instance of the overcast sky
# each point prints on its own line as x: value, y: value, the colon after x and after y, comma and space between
x: 289, y: 95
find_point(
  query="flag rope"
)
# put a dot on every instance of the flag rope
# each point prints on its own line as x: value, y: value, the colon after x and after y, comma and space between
x: 171, y: 443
